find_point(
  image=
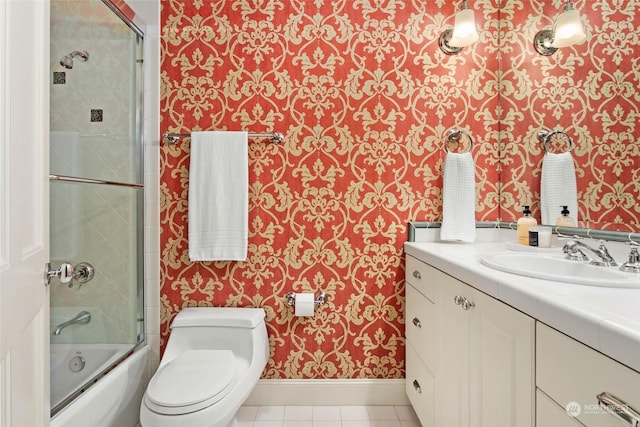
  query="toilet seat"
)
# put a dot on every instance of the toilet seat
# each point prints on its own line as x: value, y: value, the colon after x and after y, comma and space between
x: 192, y: 381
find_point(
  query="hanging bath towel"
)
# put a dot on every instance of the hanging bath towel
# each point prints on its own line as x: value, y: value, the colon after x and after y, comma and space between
x: 218, y: 196
x: 459, y: 198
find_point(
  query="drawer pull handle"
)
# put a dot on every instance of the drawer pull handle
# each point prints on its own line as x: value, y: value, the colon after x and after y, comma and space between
x: 417, y: 275
x: 458, y: 299
x: 417, y: 323
x: 619, y: 409
x: 416, y: 385
x: 466, y: 304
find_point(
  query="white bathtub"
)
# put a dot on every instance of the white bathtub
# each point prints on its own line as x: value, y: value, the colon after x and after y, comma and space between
x: 114, y: 400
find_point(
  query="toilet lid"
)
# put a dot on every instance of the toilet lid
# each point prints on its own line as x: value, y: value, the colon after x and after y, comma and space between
x: 192, y: 381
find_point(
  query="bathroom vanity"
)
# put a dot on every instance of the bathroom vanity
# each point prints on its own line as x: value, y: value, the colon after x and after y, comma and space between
x: 490, y: 348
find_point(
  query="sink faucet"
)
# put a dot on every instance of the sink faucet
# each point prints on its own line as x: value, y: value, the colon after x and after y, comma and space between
x: 573, y: 251
x: 81, y: 318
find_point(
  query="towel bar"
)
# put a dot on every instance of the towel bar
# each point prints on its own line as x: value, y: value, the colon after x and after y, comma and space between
x: 276, y: 137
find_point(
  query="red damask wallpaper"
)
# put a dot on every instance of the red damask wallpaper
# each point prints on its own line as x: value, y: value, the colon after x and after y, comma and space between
x: 364, y: 97
x: 588, y: 90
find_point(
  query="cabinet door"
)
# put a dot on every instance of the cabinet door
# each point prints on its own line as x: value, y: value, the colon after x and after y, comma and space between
x: 501, y: 364
x: 452, y: 369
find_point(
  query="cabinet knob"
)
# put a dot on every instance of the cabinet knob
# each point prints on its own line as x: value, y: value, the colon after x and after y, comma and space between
x: 619, y: 409
x: 417, y: 275
x: 458, y: 299
x: 466, y: 304
x: 416, y: 385
x: 417, y: 323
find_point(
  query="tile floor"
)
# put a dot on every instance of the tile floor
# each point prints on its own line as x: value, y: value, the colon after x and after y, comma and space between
x: 327, y: 416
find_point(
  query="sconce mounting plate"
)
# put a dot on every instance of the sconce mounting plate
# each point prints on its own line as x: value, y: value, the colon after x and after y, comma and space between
x: 542, y: 43
x: 444, y: 39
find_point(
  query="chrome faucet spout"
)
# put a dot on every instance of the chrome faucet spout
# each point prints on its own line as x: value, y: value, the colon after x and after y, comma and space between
x: 81, y: 318
x: 604, y: 259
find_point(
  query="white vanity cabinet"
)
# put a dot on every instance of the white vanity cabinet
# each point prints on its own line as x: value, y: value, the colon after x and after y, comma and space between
x: 470, y: 362
x: 570, y: 376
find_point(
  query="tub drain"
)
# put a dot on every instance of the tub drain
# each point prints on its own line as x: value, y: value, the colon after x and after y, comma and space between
x: 76, y: 364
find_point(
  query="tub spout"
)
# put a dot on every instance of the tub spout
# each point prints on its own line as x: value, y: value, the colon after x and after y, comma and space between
x: 81, y: 318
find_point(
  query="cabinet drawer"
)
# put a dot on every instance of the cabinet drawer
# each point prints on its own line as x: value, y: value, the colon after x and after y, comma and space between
x: 420, y: 325
x: 420, y: 275
x: 419, y: 387
x: 550, y: 414
x: 573, y: 374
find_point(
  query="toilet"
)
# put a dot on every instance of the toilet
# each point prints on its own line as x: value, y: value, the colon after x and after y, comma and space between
x: 212, y: 362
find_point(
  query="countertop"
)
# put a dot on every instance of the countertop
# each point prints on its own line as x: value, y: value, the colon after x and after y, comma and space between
x: 604, y: 318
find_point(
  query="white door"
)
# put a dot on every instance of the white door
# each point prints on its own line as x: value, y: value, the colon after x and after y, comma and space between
x: 24, y: 212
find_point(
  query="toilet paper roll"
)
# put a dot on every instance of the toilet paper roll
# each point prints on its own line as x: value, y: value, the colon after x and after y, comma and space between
x: 304, y: 304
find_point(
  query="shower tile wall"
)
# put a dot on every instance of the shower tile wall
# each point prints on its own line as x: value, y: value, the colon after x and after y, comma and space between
x: 93, y: 223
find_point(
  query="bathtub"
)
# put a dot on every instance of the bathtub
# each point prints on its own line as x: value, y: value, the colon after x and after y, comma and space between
x: 112, y: 399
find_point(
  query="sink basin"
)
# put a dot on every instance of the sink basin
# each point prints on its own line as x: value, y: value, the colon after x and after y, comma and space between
x: 555, y: 267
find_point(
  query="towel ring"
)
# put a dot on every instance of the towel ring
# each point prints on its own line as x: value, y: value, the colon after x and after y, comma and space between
x: 454, y: 135
x: 545, y: 136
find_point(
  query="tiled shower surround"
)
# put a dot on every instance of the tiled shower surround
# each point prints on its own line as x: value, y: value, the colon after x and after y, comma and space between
x: 365, y: 97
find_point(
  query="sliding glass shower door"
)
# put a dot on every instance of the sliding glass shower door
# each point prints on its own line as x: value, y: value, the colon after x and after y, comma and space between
x: 96, y: 193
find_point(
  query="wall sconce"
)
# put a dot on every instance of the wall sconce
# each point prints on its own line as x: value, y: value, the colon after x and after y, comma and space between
x: 464, y: 32
x: 567, y: 31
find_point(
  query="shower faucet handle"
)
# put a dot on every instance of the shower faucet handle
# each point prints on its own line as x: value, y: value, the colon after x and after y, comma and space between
x: 82, y: 273
x: 64, y: 273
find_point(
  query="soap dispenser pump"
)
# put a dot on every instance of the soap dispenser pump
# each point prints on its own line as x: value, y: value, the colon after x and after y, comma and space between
x: 524, y: 223
x: 564, y: 220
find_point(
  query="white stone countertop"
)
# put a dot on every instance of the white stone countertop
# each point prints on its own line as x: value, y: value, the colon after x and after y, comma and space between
x: 604, y: 318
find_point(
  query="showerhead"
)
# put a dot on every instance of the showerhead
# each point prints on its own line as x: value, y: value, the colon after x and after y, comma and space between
x: 67, y: 60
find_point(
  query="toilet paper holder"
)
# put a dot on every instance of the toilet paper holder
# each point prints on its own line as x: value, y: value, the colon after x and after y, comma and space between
x: 320, y: 299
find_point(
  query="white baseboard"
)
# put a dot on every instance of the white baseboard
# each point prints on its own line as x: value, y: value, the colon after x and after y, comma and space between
x: 328, y: 392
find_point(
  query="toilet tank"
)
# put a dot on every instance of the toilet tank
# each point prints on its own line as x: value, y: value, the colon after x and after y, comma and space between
x: 239, y: 329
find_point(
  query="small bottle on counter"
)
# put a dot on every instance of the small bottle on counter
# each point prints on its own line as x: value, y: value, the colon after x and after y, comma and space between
x: 524, y: 223
x: 564, y: 220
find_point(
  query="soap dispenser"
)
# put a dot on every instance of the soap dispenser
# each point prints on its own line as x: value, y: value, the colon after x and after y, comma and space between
x: 564, y: 220
x: 524, y: 223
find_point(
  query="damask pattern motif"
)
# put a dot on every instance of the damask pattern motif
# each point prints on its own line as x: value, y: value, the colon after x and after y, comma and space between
x: 364, y: 97
x: 591, y: 92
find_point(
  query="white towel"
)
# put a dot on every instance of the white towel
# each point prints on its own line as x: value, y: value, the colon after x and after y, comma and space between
x: 558, y: 187
x: 459, y: 198
x: 218, y: 196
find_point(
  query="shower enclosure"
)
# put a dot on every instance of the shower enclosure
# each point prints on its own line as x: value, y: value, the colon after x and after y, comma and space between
x: 96, y: 193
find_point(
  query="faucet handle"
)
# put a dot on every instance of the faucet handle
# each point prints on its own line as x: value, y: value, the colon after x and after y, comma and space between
x: 633, y: 263
x: 64, y: 273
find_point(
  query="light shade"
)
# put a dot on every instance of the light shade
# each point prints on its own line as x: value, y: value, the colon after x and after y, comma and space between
x: 568, y: 29
x: 465, y: 32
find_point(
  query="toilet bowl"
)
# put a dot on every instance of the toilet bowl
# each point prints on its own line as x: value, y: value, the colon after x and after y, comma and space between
x: 212, y: 362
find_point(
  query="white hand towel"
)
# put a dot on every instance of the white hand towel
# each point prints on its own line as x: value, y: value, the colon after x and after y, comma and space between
x: 558, y: 187
x: 459, y: 198
x: 218, y: 196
